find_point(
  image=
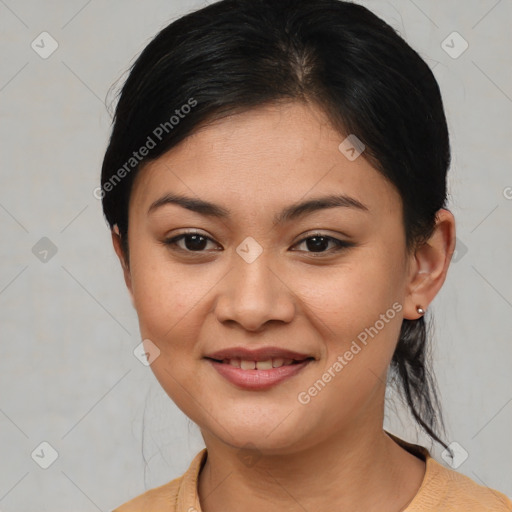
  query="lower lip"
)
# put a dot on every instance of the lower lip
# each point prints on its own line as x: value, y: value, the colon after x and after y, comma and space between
x: 258, y: 379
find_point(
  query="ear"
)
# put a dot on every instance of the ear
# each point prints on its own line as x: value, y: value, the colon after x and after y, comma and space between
x: 116, y: 241
x: 429, y: 265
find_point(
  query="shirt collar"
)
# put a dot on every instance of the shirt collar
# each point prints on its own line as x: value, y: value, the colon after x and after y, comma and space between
x: 187, y: 499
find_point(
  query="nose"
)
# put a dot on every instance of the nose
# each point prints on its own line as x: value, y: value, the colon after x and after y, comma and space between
x: 253, y: 294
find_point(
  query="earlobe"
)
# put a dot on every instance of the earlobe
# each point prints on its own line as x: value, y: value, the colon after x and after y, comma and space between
x: 429, y: 266
x: 117, y: 243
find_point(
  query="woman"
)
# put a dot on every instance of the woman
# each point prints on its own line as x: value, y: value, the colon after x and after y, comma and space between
x: 275, y: 184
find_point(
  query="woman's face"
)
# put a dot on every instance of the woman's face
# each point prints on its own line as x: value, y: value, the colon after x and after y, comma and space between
x: 251, y: 280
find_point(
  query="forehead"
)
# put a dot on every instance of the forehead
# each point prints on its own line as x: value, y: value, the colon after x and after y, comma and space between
x: 261, y: 159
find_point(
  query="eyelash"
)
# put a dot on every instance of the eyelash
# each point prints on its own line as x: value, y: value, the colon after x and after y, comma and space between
x: 340, y: 244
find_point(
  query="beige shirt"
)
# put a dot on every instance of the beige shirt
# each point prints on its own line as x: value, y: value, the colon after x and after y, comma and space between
x: 442, y: 490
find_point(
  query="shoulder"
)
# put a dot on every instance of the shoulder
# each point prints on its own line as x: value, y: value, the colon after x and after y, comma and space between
x: 175, y: 496
x: 162, y: 498
x: 446, y: 490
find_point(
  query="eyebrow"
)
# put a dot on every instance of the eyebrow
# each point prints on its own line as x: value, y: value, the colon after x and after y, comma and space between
x: 288, y: 214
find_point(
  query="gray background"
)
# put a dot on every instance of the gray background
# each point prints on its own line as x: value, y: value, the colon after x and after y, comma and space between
x: 68, y: 375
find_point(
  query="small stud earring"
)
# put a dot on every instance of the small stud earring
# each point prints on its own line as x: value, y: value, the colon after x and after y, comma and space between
x: 420, y: 310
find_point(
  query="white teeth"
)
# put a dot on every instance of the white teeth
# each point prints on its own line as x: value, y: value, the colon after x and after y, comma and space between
x: 264, y: 365
x: 276, y: 362
x: 247, y: 365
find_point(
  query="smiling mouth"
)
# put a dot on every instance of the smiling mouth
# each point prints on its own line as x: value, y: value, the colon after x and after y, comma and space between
x: 268, y: 364
x: 259, y: 375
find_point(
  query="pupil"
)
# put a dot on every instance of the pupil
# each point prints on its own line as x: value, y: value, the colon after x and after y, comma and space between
x: 312, y: 245
x: 195, y: 245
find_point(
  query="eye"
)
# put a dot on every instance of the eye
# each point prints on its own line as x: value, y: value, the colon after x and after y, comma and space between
x: 197, y: 242
x: 193, y: 242
x: 317, y: 242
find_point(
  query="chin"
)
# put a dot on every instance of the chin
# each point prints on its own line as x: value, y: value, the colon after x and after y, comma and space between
x: 265, y: 435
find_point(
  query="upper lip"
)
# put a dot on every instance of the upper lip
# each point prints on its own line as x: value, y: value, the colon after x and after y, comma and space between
x: 258, y: 354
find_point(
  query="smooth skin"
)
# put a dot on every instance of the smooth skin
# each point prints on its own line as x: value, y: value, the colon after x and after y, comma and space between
x: 328, y: 454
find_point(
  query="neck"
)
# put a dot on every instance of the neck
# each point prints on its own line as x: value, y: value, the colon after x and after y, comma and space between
x: 362, y: 469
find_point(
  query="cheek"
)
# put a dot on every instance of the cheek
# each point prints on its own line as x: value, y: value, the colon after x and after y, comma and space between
x: 359, y: 311
x: 168, y: 303
x: 164, y: 292
x: 361, y: 304
x: 353, y: 295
